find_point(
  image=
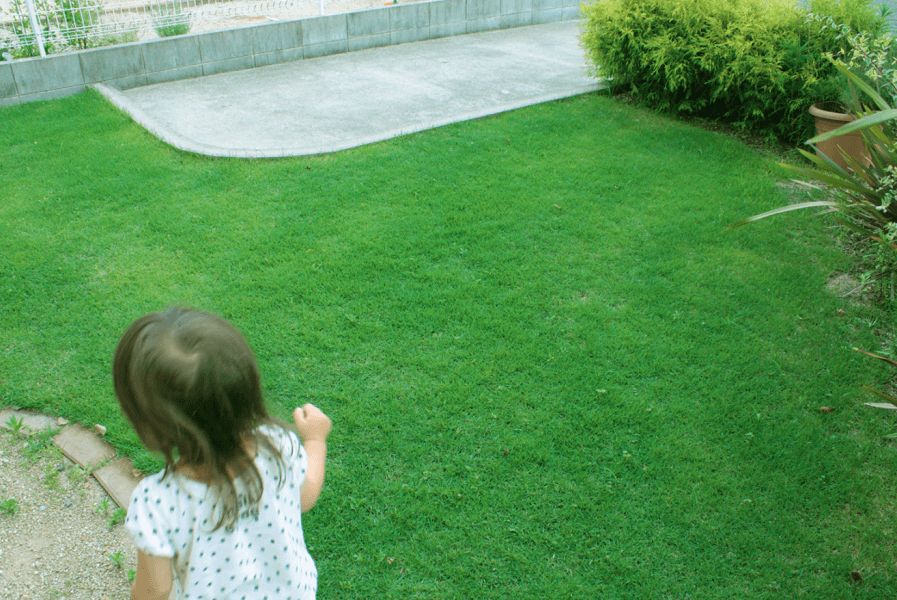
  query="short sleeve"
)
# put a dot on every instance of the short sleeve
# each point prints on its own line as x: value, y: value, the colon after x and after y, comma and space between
x: 146, y: 520
x: 290, y: 448
x: 298, y: 460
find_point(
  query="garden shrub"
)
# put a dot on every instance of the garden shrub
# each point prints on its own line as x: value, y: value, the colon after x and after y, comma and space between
x: 758, y: 64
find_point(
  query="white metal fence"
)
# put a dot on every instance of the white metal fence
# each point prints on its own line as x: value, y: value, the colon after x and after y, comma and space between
x: 31, y: 27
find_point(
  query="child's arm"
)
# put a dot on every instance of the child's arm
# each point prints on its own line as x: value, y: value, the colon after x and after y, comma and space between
x: 153, y: 579
x: 313, y: 426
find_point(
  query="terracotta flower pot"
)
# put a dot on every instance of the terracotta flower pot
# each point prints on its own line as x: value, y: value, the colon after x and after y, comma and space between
x: 852, y: 144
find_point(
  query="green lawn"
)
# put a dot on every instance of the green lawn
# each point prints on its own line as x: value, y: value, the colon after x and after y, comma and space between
x: 552, y: 373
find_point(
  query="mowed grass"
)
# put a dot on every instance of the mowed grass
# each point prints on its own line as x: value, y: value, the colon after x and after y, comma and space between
x: 552, y: 374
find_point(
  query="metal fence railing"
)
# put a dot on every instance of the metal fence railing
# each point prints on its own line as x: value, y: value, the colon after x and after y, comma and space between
x: 31, y: 27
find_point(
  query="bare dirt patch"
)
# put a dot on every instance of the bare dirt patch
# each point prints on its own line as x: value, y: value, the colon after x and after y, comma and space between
x: 843, y: 284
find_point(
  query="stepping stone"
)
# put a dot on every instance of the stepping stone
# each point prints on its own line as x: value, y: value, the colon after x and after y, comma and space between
x: 83, y: 446
x: 118, y: 479
x: 32, y: 422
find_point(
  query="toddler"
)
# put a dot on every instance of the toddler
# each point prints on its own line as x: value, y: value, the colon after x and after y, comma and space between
x: 223, y: 519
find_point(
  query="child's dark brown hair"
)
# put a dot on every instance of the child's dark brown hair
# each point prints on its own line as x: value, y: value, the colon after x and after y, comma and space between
x: 189, y: 383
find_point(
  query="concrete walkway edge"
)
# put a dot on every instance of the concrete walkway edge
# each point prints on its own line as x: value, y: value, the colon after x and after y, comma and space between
x: 171, y: 138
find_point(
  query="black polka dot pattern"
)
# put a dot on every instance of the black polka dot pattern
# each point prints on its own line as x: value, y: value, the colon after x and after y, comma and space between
x: 264, y: 555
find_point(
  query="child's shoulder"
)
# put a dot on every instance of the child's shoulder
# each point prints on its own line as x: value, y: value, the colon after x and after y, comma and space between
x: 163, y: 480
x: 154, y: 480
x: 285, y: 441
x: 156, y: 486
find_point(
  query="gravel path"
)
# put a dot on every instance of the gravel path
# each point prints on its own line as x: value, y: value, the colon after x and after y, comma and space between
x: 57, y: 545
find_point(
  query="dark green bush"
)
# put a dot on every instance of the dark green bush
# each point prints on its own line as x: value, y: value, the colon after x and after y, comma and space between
x: 758, y: 64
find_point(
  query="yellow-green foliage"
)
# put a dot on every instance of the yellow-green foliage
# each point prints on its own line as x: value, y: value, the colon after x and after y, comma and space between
x: 756, y: 63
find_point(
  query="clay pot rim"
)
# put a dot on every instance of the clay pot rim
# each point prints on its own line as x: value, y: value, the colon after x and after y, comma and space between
x: 831, y: 116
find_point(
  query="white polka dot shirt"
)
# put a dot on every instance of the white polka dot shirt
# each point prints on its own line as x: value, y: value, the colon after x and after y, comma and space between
x: 262, y: 557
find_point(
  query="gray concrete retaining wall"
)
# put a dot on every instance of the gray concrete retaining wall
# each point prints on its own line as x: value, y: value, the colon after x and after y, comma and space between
x: 145, y: 63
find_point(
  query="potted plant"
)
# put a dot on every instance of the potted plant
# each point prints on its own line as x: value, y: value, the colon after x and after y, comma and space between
x: 862, y: 191
x: 829, y: 117
x: 858, y: 47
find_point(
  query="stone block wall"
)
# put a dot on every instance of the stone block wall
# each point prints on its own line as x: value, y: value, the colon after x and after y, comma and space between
x: 145, y: 63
